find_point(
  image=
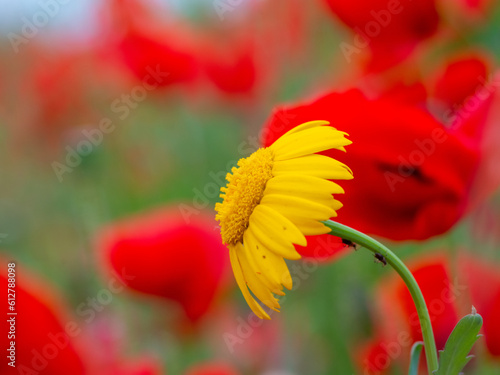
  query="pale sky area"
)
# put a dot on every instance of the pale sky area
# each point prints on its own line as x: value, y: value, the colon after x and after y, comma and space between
x: 75, y: 16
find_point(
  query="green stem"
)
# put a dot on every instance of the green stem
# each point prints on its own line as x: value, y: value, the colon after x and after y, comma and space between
x: 362, y: 239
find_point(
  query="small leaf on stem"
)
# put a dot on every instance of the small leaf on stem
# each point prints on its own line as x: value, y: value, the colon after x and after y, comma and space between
x: 416, y: 350
x: 455, y: 355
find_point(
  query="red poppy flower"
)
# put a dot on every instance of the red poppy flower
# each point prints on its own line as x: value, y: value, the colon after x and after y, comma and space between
x: 324, y: 248
x: 483, y: 280
x: 465, y: 96
x: 447, y: 298
x: 390, y: 29
x: 231, y: 72
x: 399, y: 326
x: 161, y: 254
x: 373, y: 357
x: 411, y: 176
x: 41, y: 335
x: 468, y: 11
x: 245, y: 54
x: 157, y: 52
x: 460, y: 79
x: 232, y: 54
x: 433, y: 278
x: 152, y: 58
x: 141, y: 367
x: 477, y: 4
x: 410, y: 94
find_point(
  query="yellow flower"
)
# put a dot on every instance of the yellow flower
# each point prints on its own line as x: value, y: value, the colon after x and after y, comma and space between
x: 274, y: 198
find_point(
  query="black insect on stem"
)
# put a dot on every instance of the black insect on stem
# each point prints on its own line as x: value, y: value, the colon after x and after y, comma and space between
x: 349, y: 243
x: 379, y: 258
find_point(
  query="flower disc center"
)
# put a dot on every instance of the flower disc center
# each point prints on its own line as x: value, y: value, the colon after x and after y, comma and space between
x: 242, y: 193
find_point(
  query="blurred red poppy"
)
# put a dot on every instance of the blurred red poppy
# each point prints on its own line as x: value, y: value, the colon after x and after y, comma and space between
x: 464, y: 12
x: 373, y: 357
x: 399, y: 325
x: 460, y: 78
x: 325, y: 248
x: 232, y: 70
x: 157, y: 52
x: 465, y: 96
x: 434, y: 279
x: 447, y: 299
x: 483, y: 280
x: 239, y: 55
x: 161, y: 254
x: 390, y: 29
x: 411, y: 175
x: 45, y: 340
x: 41, y: 336
x: 142, y: 367
x: 463, y: 91
x: 153, y: 59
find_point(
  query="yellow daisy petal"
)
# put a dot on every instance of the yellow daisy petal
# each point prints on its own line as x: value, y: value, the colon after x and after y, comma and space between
x: 261, y: 255
x: 304, y: 126
x: 303, y: 186
x: 257, y: 287
x: 313, y: 165
x: 295, y: 206
x: 309, y: 141
x: 276, y: 226
x: 240, y: 280
x: 270, y: 232
x: 310, y: 227
x: 269, y: 266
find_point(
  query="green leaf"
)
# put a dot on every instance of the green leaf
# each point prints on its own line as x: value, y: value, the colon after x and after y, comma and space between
x: 416, y: 349
x: 455, y: 356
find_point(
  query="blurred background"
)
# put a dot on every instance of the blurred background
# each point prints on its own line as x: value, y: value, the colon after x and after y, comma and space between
x: 120, y: 118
